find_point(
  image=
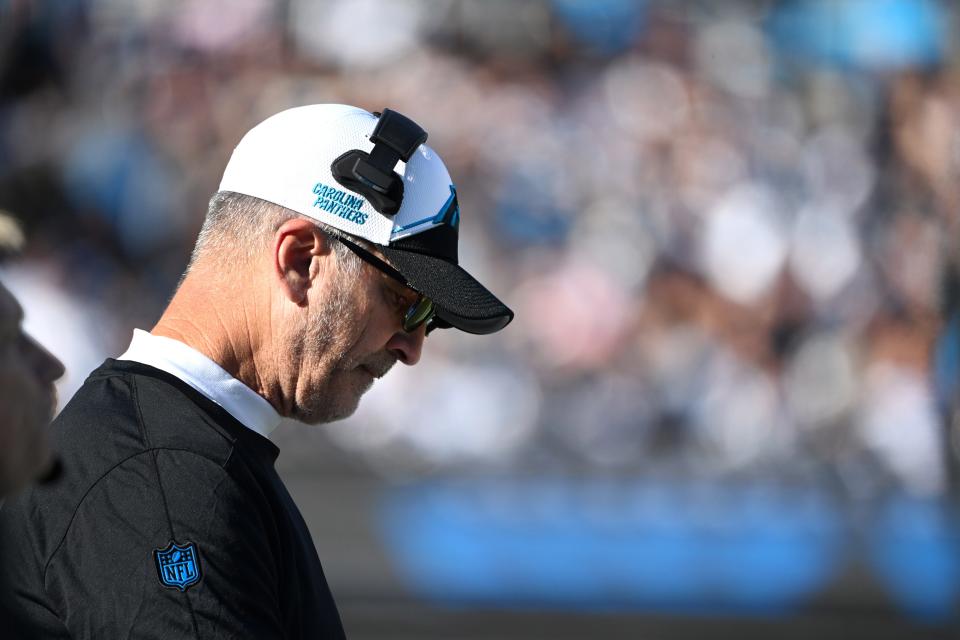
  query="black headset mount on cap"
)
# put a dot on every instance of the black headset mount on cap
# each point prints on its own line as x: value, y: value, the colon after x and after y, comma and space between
x: 371, y: 174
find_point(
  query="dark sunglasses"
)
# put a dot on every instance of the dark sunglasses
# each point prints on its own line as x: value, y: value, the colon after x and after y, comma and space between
x: 420, y: 311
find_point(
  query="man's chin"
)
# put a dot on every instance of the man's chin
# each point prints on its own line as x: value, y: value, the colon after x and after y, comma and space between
x: 329, y: 412
x: 327, y: 416
x: 339, y: 400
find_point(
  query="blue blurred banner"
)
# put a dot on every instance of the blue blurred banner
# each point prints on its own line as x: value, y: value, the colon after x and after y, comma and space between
x: 651, y: 546
x: 914, y: 548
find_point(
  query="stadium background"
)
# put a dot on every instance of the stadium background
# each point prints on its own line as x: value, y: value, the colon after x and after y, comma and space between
x: 729, y: 231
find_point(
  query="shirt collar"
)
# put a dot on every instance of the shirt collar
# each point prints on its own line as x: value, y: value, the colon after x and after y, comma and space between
x: 206, y: 376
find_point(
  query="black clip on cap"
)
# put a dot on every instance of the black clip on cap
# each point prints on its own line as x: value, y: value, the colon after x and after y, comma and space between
x: 371, y: 174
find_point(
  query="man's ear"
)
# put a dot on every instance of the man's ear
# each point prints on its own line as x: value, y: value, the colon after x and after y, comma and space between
x: 298, y: 251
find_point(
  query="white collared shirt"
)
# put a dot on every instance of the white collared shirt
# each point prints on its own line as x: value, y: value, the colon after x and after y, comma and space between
x: 206, y: 376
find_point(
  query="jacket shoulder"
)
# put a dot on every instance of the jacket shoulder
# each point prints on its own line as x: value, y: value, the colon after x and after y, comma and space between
x: 116, y: 417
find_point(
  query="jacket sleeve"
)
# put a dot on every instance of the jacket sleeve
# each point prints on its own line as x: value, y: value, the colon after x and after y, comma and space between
x: 168, y: 544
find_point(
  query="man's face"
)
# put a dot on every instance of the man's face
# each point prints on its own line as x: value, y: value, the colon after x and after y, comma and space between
x: 353, y: 336
x: 27, y: 398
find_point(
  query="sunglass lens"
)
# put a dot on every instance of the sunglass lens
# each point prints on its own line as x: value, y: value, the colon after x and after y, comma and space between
x: 418, y: 314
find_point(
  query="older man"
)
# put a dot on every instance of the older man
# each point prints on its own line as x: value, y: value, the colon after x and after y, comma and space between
x: 327, y: 255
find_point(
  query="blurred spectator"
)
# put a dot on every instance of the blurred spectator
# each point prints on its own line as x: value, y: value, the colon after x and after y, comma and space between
x: 27, y: 396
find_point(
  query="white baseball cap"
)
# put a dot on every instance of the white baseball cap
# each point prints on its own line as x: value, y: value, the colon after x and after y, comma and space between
x: 371, y: 176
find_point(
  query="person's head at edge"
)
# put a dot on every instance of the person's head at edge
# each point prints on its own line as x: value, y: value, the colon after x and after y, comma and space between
x: 27, y: 392
x: 279, y: 302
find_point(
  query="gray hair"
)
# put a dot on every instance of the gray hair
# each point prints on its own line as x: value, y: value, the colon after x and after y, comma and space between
x: 237, y: 226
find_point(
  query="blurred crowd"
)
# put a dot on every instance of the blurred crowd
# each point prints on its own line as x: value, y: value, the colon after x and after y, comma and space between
x: 727, y: 236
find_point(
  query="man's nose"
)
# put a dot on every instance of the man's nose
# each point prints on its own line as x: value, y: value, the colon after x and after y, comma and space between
x: 408, y: 346
x: 48, y: 367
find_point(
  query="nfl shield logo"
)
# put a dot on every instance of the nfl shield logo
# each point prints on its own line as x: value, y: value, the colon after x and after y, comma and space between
x: 178, y: 565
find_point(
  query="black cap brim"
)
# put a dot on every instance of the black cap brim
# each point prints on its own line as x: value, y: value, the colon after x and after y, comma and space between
x: 457, y: 297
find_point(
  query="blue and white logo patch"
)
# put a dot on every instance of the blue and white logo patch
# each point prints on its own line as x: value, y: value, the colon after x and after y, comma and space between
x: 178, y: 566
x: 449, y: 214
